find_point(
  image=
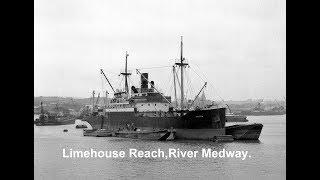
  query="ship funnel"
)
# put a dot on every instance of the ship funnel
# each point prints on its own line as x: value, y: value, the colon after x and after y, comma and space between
x: 152, y: 86
x: 144, y: 81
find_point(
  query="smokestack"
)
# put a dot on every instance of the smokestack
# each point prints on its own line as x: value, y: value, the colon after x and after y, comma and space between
x: 144, y: 81
x: 152, y: 86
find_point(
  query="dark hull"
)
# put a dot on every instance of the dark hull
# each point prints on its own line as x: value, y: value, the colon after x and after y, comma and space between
x: 198, y: 134
x: 245, y: 132
x: 198, y: 124
x: 97, y: 133
x: 146, y: 135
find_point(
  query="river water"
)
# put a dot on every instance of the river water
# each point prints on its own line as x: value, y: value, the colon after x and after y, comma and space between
x: 267, y: 156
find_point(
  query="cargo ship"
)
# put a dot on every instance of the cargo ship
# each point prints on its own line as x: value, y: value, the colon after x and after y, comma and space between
x: 148, y: 109
x: 50, y: 119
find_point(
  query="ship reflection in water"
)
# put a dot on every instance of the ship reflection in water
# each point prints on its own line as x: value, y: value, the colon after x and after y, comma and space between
x: 268, y: 156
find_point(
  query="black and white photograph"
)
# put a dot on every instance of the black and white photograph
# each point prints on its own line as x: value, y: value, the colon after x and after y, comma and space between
x: 159, y: 89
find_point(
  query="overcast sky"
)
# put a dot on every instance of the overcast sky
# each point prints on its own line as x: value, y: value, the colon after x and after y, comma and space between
x: 239, y: 47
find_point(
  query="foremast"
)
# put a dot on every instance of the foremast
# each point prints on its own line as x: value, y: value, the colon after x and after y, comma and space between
x: 126, y: 74
x: 182, y: 64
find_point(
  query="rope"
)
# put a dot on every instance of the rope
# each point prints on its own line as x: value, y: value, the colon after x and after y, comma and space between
x: 169, y: 84
x: 208, y: 83
x: 154, y: 67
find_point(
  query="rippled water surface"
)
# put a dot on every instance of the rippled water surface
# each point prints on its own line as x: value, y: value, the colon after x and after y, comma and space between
x: 268, y: 156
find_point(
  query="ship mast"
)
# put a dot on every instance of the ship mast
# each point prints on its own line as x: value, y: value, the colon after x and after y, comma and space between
x: 97, y: 99
x: 41, y: 110
x: 174, y: 82
x: 181, y: 64
x: 126, y: 74
x: 93, y: 99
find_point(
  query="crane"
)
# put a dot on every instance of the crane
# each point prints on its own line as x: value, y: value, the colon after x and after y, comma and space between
x: 107, y: 80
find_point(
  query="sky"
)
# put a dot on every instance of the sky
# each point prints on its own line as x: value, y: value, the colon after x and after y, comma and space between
x: 238, y: 47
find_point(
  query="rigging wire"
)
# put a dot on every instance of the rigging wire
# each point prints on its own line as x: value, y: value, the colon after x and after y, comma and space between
x: 190, y: 86
x: 208, y: 83
x: 187, y: 85
x: 120, y: 82
x: 153, y: 67
x: 109, y: 71
x: 114, y: 78
x: 169, y: 84
x: 130, y: 80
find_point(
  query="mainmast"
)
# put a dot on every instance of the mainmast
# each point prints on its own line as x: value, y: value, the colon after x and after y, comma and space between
x: 126, y: 74
x: 181, y: 64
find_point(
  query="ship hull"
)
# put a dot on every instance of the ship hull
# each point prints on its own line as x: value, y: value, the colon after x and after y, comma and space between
x: 146, y: 135
x: 97, y: 133
x: 198, y: 134
x: 245, y: 132
x: 198, y: 124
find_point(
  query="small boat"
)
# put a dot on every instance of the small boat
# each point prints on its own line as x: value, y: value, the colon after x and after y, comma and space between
x: 81, y: 126
x: 145, y: 134
x: 245, y: 131
x: 65, y: 130
x: 97, y: 132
